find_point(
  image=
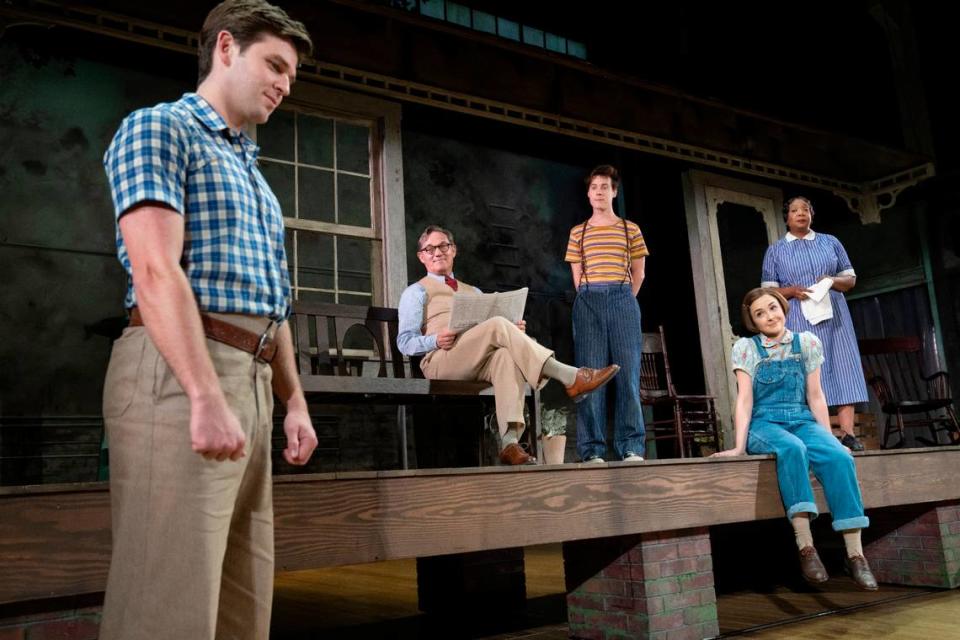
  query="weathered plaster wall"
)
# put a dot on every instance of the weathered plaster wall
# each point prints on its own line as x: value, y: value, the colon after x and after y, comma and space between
x: 61, y: 300
x: 63, y: 287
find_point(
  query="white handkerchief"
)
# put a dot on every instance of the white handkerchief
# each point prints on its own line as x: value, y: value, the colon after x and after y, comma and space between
x: 817, y: 308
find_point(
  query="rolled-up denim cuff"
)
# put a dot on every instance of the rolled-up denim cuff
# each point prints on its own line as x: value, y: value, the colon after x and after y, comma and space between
x: 859, y: 522
x: 803, y: 507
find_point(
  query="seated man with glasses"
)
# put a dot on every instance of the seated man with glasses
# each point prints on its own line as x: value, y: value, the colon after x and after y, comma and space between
x: 495, y: 351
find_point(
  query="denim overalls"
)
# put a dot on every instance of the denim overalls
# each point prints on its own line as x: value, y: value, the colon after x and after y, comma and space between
x: 782, y: 424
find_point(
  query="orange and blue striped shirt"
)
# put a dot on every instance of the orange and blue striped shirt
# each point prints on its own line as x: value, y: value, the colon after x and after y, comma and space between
x: 605, y: 251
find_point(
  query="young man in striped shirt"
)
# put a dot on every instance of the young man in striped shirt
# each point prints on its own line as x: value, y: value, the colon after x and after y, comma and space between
x: 607, y: 257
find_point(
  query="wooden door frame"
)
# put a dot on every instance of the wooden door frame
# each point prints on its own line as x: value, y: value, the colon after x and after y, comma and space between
x: 703, y: 193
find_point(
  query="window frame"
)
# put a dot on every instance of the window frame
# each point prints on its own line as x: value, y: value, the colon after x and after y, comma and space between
x: 387, y: 223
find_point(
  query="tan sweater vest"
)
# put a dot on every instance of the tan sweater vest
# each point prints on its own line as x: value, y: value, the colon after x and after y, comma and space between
x: 436, y: 311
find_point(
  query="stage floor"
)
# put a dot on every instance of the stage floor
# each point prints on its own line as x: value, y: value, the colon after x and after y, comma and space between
x: 379, y: 600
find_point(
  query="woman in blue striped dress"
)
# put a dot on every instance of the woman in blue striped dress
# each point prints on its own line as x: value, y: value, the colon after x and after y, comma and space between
x: 795, y: 263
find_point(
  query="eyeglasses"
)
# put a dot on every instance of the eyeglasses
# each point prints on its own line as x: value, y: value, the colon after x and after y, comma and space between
x: 430, y: 249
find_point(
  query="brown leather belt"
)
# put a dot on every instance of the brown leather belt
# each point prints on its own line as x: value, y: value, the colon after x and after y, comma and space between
x: 263, y: 347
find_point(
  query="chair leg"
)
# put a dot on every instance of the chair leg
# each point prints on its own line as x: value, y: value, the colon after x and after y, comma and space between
x: 533, y: 425
x: 953, y: 427
x: 713, y: 426
x: 934, y: 431
x: 887, y: 428
x: 480, y: 437
x: 678, y: 429
x: 704, y: 423
x: 402, y: 435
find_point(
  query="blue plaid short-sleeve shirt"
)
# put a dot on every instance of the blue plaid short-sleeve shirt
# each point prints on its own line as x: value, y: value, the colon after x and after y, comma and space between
x: 183, y: 155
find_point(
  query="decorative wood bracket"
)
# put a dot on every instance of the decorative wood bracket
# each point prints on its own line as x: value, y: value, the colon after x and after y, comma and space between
x: 881, y: 194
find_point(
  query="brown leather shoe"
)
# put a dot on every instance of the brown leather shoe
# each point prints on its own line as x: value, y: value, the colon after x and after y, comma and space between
x: 811, y: 567
x: 859, y: 570
x: 589, y: 380
x: 513, y: 454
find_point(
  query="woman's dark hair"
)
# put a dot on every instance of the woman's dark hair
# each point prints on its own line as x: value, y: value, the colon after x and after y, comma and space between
x: 752, y: 296
x: 786, y: 205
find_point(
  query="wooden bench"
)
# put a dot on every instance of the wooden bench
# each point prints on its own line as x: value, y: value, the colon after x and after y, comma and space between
x: 348, y: 353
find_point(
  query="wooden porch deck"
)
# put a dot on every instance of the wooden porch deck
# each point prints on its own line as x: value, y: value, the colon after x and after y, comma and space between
x: 55, y: 540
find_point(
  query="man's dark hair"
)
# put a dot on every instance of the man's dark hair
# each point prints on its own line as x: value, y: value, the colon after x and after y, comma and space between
x: 248, y: 21
x: 607, y: 170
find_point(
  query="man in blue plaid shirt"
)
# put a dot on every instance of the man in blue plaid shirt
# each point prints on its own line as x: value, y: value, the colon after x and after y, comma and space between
x: 188, y: 398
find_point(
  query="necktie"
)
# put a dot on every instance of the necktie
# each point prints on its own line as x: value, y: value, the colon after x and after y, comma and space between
x: 450, y: 282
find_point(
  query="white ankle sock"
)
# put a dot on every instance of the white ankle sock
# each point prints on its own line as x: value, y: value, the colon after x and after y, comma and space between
x: 511, y: 435
x: 851, y: 539
x: 555, y: 369
x: 801, y: 529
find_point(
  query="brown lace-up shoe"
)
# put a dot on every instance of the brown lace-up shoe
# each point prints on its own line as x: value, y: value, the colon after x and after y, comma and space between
x: 811, y: 567
x: 514, y: 454
x: 859, y: 570
x: 589, y: 380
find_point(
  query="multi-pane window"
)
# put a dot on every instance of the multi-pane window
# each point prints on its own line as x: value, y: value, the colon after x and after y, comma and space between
x: 465, y: 16
x: 321, y: 169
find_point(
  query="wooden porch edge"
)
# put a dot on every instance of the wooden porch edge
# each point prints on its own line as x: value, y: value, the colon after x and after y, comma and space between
x: 55, y: 540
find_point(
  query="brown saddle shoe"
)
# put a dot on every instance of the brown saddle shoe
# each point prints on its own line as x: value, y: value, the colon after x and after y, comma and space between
x: 810, y: 566
x: 589, y: 380
x: 859, y: 570
x: 514, y: 454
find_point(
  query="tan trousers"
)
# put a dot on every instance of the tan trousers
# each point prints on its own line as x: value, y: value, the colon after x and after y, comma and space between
x: 494, y: 351
x: 192, y: 538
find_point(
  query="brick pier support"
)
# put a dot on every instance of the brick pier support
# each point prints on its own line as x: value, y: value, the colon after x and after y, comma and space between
x: 69, y: 624
x: 656, y: 586
x: 915, y: 544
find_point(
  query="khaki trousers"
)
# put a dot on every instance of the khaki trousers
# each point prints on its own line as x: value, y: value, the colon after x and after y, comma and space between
x: 494, y: 351
x: 192, y: 538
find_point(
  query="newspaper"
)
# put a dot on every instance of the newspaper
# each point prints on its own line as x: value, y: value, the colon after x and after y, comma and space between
x: 470, y: 309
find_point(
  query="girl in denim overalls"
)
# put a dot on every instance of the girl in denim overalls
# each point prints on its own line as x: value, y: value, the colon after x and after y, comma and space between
x: 781, y: 410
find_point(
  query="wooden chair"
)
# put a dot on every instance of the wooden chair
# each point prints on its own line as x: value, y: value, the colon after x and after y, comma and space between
x: 691, y: 417
x: 893, y: 367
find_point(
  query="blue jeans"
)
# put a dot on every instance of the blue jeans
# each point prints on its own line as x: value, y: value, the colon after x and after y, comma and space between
x: 606, y: 330
x: 803, y: 445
